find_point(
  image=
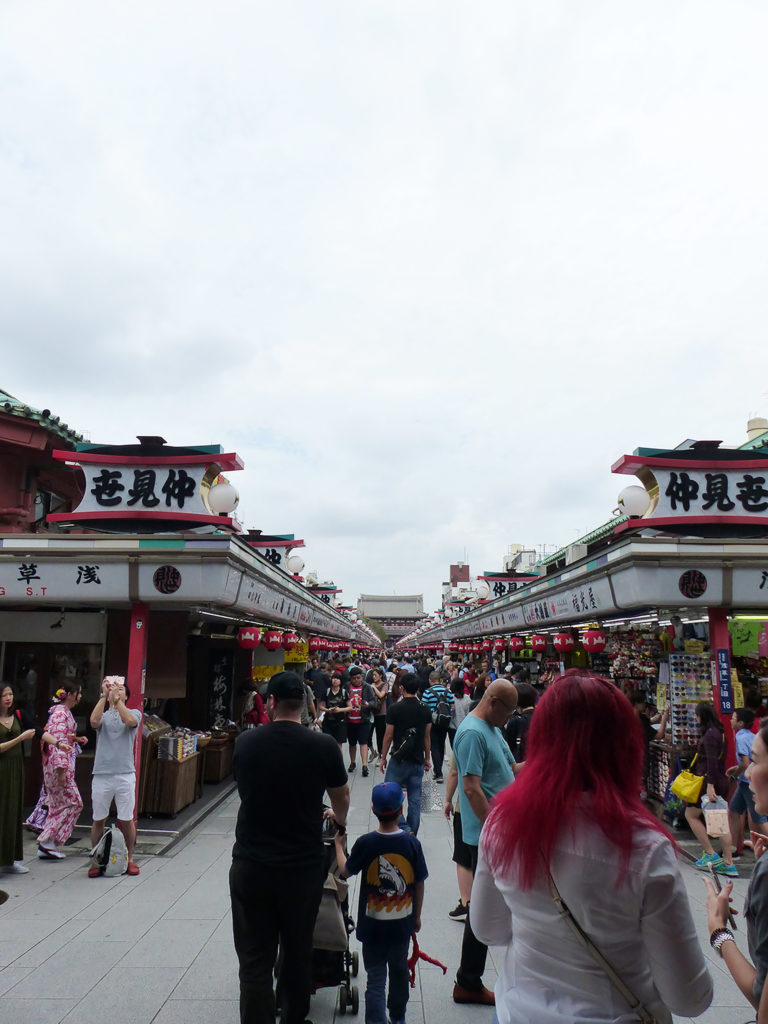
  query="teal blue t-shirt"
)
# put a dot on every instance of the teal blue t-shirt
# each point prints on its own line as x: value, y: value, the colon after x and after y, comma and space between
x: 480, y: 749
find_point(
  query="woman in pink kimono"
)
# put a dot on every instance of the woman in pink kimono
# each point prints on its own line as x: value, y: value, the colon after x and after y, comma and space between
x: 63, y: 798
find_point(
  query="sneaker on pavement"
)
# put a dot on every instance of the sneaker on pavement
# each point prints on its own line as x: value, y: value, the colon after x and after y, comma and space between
x: 730, y: 870
x: 351, y: 767
x: 438, y: 778
x: 459, y: 912
x: 94, y: 872
x: 708, y: 860
x: 18, y: 868
x: 133, y: 869
x: 482, y: 996
x: 365, y: 771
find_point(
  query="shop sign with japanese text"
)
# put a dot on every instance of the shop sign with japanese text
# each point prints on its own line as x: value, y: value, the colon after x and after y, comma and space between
x: 89, y: 581
x: 700, y: 490
x: 298, y: 655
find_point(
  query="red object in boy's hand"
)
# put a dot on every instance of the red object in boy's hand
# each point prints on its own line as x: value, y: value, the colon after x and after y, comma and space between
x: 417, y: 955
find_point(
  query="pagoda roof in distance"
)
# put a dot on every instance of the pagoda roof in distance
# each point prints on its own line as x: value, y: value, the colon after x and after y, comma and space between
x: 12, y: 406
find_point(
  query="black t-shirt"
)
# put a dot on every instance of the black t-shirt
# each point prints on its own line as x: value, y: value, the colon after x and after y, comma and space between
x: 282, y: 772
x: 319, y: 683
x: 409, y: 713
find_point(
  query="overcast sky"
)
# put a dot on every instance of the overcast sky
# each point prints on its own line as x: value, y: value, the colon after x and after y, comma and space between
x: 430, y: 268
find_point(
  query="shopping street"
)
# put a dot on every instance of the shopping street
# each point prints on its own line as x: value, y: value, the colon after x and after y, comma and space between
x: 157, y: 949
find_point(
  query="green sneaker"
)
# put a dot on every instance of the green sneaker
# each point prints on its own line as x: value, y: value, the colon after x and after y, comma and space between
x: 730, y: 870
x: 708, y: 860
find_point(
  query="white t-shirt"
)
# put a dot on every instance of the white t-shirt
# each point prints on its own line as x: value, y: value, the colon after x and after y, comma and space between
x: 114, y: 746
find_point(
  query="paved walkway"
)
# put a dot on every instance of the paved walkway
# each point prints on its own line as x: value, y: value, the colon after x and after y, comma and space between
x: 157, y: 949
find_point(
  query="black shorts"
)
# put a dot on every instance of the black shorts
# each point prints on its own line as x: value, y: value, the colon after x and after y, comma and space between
x: 359, y: 732
x: 333, y: 727
x: 462, y: 853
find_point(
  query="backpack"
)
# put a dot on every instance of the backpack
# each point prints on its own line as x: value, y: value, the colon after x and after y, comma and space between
x: 407, y: 751
x: 110, y: 854
x: 441, y: 716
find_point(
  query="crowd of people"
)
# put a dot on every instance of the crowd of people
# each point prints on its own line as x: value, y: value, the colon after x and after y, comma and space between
x: 587, y: 898
x: 59, y: 804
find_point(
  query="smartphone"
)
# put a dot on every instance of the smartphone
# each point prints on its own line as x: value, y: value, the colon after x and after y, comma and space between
x: 719, y: 887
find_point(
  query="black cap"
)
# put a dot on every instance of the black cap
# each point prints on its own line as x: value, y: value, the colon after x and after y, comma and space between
x: 286, y: 686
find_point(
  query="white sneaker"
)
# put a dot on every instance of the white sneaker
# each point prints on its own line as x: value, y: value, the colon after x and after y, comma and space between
x: 18, y: 868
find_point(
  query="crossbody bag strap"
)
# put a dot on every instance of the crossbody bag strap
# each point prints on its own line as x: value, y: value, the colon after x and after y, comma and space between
x: 565, y: 912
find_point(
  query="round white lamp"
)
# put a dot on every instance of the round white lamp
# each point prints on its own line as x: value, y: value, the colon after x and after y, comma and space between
x: 483, y: 589
x: 634, y: 500
x: 223, y: 499
x: 294, y: 564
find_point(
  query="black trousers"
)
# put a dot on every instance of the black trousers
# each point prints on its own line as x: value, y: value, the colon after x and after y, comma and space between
x: 380, y: 725
x: 274, y: 905
x: 473, y: 951
x: 438, y: 734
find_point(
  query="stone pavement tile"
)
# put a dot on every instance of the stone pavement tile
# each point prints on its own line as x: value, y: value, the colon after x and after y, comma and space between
x: 208, y: 897
x: 223, y: 931
x: 24, y: 935
x: 170, y: 944
x: 57, y: 939
x: 10, y: 976
x: 79, y: 966
x: 198, y: 1011
x: 213, y: 975
x: 126, y: 995
x: 36, y: 1008
x: 125, y: 921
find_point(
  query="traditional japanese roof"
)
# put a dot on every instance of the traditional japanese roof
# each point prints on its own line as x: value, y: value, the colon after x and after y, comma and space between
x: 12, y: 406
x: 589, y: 538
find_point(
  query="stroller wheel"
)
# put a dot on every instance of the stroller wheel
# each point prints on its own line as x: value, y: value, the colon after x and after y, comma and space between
x: 342, y: 999
x: 355, y: 962
x: 355, y: 999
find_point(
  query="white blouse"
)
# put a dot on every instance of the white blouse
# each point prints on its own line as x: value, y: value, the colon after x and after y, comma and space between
x: 642, y: 925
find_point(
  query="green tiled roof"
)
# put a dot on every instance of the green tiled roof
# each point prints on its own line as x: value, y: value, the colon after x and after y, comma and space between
x: 589, y: 538
x: 11, y: 406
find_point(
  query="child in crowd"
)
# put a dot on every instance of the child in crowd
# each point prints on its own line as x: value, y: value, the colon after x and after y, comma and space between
x: 392, y: 872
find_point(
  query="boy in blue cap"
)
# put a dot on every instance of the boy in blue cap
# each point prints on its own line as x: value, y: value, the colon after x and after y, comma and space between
x: 392, y: 872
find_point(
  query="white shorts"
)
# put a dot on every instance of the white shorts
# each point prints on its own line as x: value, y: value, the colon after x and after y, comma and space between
x: 121, y: 788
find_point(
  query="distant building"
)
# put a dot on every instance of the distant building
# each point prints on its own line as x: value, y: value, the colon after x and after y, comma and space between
x: 398, y: 614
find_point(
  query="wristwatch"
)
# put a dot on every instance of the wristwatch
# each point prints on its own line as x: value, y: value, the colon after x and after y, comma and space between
x: 718, y: 937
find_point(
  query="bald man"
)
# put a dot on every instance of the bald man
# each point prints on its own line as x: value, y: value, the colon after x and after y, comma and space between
x: 485, y: 766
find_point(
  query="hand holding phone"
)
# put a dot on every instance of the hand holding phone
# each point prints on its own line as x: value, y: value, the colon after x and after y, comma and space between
x: 719, y: 888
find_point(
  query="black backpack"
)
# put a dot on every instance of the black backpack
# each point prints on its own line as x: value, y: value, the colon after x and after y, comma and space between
x: 407, y: 748
x: 441, y: 716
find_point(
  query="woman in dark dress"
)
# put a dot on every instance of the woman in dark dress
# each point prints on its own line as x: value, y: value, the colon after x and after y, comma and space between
x: 710, y: 762
x: 15, y: 727
x: 336, y: 706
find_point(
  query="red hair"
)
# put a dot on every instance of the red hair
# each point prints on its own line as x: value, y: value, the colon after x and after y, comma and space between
x: 584, y: 737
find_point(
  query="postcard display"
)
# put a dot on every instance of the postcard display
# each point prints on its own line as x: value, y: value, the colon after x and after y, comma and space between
x: 684, y: 681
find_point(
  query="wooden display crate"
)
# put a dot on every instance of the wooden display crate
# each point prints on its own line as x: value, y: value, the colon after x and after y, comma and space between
x: 218, y: 759
x: 174, y: 785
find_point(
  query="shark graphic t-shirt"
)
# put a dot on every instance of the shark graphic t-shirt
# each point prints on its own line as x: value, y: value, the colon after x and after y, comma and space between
x: 389, y: 867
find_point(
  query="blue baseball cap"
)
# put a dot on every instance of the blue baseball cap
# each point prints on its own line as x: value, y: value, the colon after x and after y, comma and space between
x: 386, y: 798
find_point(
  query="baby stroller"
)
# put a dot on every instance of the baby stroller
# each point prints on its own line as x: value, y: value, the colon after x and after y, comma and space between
x: 332, y: 962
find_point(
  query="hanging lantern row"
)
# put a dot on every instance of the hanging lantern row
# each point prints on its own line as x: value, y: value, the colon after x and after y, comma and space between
x: 593, y: 640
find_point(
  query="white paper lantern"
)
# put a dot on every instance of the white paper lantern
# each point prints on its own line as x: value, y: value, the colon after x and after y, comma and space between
x: 223, y: 498
x: 634, y: 500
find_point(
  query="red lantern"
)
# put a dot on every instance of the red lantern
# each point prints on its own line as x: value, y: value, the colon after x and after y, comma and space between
x: 487, y: 645
x: 315, y: 643
x: 477, y: 648
x: 249, y: 637
x: 273, y: 639
x: 499, y: 643
x: 595, y: 641
x: 539, y: 642
x: 563, y: 642
x: 517, y: 644
x: 289, y: 641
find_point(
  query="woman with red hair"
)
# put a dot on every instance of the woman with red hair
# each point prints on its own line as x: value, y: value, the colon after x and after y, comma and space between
x: 611, y: 861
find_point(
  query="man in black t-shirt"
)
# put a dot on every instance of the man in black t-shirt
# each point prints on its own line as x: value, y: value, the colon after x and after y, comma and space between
x: 409, y: 724
x: 278, y: 865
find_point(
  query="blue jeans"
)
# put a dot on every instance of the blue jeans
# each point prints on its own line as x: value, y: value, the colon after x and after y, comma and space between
x: 377, y: 957
x: 408, y: 775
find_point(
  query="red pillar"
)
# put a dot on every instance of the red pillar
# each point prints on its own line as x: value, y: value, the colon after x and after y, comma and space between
x: 719, y: 642
x: 134, y: 677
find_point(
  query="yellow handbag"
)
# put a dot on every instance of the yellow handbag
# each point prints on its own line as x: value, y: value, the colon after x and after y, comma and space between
x: 687, y: 785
